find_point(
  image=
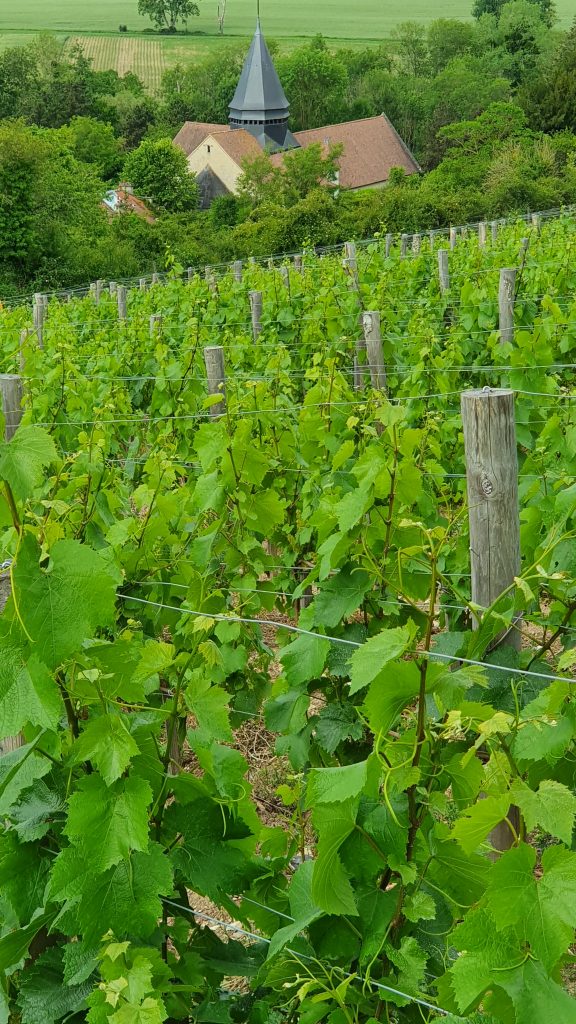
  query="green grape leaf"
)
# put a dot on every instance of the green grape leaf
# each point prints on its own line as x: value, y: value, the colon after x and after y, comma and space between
x: 208, y: 855
x: 126, y: 898
x: 340, y: 596
x: 536, y: 996
x: 552, y: 806
x: 304, y: 658
x: 113, y: 821
x: 43, y: 998
x: 107, y: 744
x: 14, y: 945
x: 33, y: 814
x: 302, y: 906
x: 62, y: 604
x: 485, y: 953
x: 390, y: 692
x: 334, y: 785
x: 28, y: 692
x: 80, y: 961
x: 331, y: 889
x: 150, y: 1011
x: 477, y: 821
x: 24, y: 459
x: 371, y: 658
x: 19, y: 769
x: 543, y: 910
x: 336, y: 723
x: 353, y: 506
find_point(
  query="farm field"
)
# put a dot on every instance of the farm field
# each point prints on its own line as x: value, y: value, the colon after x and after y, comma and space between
x: 368, y: 19
x: 249, y: 505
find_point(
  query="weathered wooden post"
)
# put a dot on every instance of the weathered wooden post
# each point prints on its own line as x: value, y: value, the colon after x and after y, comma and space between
x: 189, y: 273
x: 298, y: 263
x: 112, y: 287
x: 494, y: 230
x: 482, y: 234
x: 375, y: 355
x: 256, y: 311
x: 536, y: 222
x: 214, y: 362
x: 99, y: 289
x: 23, y: 340
x: 431, y: 240
x: 39, y: 314
x: 443, y: 271
x: 156, y: 278
x: 494, y: 520
x: 285, y: 275
x: 388, y: 243
x: 121, y: 299
x: 155, y: 324
x: 524, y: 245
x: 237, y: 270
x: 403, y: 244
x: 270, y: 263
x: 453, y: 237
x: 506, y: 296
x: 416, y: 244
x: 142, y: 284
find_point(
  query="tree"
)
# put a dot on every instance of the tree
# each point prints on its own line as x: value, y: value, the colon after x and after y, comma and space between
x: 167, y: 13
x: 315, y: 84
x: 547, y: 9
x: 95, y: 143
x: 549, y: 97
x: 449, y: 38
x: 301, y: 172
x: 412, y: 47
x: 158, y: 171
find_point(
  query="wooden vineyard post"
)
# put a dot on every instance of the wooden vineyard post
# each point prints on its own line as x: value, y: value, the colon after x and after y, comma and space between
x: 493, y: 515
x: 536, y: 220
x: 24, y: 335
x: 270, y: 263
x: 189, y: 274
x: 214, y: 362
x: 237, y: 270
x: 155, y: 278
x: 482, y: 234
x: 374, y: 353
x: 142, y: 284
x: 416, y: 244
x: 155, y: 324
x: 403, y: 245
x: 39, y: 313
x: 112, y: 287
x: 298, y: 263
x: 431, y: 240
x: 443, y: 271
x: 388, y: 244
x: 453, y: 237
x: 121, y: 298
x: 99, y: 288
x: 506, y: 296
x: 256, y: 311
x: 494, y: 230
x: 524, y: 245
x: 285, y: 275
x: 351, y: 264
x: 11, y: 399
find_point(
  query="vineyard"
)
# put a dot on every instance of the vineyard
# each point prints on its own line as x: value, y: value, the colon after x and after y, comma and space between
x: 270, y: 512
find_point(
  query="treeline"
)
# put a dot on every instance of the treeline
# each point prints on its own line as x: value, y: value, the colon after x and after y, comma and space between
x: 487, y: 106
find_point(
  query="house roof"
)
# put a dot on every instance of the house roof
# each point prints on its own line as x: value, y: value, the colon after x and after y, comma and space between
x: 193, y: 133
x: 120, y: 200
x: 372, y: 147
x: 259, y: 91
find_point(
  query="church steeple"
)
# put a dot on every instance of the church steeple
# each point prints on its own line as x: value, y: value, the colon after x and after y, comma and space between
x: 259, y: 104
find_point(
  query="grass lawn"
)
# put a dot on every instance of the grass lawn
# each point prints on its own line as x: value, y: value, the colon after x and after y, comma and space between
x: 368, y: 19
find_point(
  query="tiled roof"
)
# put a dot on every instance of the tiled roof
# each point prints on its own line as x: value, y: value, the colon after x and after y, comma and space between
x: 193, y: 133
x: 238, y: 144
x: 119, y: 200
x: 372, y: 147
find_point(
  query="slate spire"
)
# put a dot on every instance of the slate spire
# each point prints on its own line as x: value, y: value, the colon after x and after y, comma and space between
x: 259, y: 104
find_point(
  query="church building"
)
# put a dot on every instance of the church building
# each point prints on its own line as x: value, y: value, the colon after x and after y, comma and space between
x: 259, y: 116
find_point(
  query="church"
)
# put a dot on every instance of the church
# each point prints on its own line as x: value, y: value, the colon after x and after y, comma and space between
x: 259, y: 121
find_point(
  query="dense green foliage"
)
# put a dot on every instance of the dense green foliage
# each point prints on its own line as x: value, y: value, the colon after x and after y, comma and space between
x: 148, y: 538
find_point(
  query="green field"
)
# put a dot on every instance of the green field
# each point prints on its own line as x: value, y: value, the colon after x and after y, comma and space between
x: 368, y: 19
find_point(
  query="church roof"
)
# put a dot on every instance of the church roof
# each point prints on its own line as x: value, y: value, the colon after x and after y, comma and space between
x: 371, y: 148
x: 193, y: 133
x: 259, y: 90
